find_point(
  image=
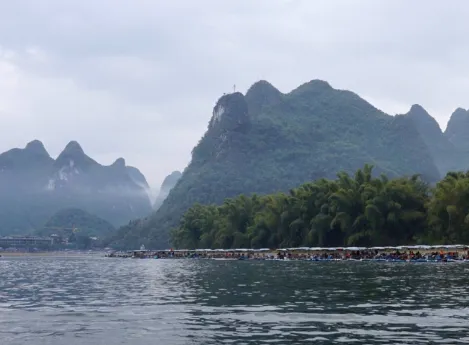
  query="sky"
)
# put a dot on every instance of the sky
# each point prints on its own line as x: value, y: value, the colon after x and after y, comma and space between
x: 139, y: 78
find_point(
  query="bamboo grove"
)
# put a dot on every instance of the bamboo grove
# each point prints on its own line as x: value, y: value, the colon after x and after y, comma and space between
x: 359, y: 210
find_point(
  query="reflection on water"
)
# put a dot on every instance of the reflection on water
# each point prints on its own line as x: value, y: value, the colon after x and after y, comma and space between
x: 72, y: 301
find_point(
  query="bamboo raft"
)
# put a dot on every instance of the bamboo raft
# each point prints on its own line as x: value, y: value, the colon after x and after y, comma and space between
x: 414, y: 253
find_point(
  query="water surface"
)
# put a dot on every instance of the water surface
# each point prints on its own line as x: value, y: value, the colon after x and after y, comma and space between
x: 89, y: 300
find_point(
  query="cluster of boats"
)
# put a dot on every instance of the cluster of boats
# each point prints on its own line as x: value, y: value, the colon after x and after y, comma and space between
x: 417, y: 253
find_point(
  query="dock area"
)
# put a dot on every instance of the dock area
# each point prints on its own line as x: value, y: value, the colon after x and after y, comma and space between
x: 414, y: 253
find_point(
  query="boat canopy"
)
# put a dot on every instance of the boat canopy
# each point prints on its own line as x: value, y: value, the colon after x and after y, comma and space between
x: 316, y: 249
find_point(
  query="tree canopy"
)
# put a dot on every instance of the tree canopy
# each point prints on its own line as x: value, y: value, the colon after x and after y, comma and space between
x: 352, y: 210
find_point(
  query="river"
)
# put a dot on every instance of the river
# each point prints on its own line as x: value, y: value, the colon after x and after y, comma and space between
x: 89, y: 300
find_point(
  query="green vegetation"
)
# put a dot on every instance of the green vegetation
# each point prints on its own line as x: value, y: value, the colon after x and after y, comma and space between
x: 359, y: 210
x: 76, y: 228
x: 268, y: 142
x: 83, y: 222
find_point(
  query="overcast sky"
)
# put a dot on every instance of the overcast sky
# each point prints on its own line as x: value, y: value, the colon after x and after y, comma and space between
x: 138, y: 79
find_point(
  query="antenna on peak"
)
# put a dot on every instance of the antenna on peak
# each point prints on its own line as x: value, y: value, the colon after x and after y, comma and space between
x: 234, y: 88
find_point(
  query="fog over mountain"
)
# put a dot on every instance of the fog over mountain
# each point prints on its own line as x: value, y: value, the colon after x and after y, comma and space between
x: 168, y: 183
x: 34, y: 186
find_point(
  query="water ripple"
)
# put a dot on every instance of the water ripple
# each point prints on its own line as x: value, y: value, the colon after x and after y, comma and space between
x: 76, y: 301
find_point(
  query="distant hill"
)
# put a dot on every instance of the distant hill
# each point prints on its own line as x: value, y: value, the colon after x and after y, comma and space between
x: 446, y: 155
x: 267, y: 141
x: 137, y: 177
x: 35, y: 186
x: 86, y: 224
x: 457, y: 131
x: 168, y: 183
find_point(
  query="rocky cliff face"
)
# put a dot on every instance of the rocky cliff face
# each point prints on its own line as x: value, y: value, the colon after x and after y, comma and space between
x: 35, y: 186
x: 229, y: 121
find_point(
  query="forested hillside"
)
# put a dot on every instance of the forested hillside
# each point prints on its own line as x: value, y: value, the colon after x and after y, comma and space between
x: 84, y: 223
x: 268, y: 142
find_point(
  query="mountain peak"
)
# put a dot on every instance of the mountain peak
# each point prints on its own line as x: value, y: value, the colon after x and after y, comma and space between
x: 262, y: 94
x: 262, y: 86
x: 458, y: 126
x: 460, y: 112
x: 313, y: 86
x: 120, y: 162
x: 73, y: 154
x: 458, y: 115
x: 417, y: 110
x: 230, y: 112
x: 73, y: 148
x: 422, y: 118
x: 37, y: 147
x: 137, y: 177
x: 426, y: 125
x: 171, y: 180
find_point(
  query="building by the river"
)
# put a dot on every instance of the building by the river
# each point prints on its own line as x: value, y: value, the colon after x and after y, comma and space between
x: 25, y: 241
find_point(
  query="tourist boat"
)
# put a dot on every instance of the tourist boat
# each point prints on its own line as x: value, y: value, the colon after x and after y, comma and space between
x: 398, y: 254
